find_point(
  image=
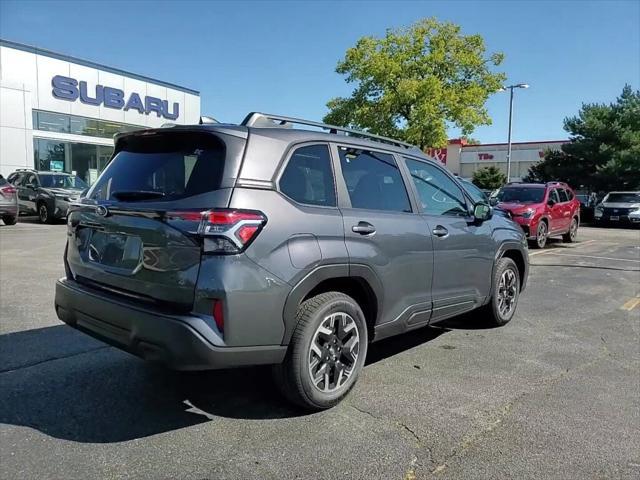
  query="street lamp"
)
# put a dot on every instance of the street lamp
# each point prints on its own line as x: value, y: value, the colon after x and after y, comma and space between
x: 510, y: 88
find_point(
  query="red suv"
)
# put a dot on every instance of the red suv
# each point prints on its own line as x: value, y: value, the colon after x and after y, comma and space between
x: 542, y: 210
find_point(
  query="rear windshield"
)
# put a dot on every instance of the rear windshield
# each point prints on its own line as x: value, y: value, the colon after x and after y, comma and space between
x: 162, y: 167
x: 2, y: 180
x: 521, y: 195
x: 623, y: 197
x: 61, y: 181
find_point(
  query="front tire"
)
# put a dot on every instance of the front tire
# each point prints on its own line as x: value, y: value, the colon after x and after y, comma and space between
x: 572, y: 234
x: 44, y: 215
x: 327, y: 351
x: 542, y: 233
x: 506, y: 291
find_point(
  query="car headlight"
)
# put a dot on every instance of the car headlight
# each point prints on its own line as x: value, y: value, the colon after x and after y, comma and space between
x: 528, y: 213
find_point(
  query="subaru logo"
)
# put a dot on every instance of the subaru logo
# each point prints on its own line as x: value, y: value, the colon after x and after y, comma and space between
x: 102, y: 210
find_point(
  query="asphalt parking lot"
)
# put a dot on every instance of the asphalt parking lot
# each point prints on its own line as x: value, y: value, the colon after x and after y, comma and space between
x: 554, y: 394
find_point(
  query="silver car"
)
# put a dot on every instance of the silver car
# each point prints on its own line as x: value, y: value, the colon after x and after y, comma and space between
x: 619, y: 208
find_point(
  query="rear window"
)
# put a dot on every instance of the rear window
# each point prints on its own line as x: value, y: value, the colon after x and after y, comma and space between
x: 2, y: 180
x: 162, y: 167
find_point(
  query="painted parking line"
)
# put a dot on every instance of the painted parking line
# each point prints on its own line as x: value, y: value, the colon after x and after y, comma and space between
x: 553, y: 249
x: 631, y: 304
x: 593, y: 256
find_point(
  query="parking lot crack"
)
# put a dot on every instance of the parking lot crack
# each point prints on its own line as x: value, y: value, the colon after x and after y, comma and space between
x: 51, y: 359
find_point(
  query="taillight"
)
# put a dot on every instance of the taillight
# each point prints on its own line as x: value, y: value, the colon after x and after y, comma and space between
x: 224, y: 231
x: 8, y: 190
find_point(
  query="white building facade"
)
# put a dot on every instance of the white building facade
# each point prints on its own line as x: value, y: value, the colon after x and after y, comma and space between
x: 60, y: 113
x: 463, y: 160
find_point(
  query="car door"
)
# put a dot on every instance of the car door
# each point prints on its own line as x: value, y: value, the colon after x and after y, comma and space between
x: 384, y: 233
x: 25, y: 193
x: 464, y: 249
x: 565, y: 208
x: 556, y: 212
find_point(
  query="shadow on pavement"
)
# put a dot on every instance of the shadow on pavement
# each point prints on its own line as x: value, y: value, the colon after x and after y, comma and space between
x: 69, y: 386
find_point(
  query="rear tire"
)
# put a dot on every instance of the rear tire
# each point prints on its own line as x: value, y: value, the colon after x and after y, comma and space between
x: 506, y: 291
x: 9, y: 220
x: 572, y: 234
x: 326, y: 353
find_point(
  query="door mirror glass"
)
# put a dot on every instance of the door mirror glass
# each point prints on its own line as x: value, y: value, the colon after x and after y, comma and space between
x: 481, y: 211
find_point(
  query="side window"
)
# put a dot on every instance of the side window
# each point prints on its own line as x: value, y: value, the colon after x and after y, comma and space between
x: 562, y: 194
x: 373, y: 180
x: 308, y: 177
x: 29, y: 179
x: 439, y: 194
x: 553, y: 195
x: 569, y: 194
x: 15, y: 178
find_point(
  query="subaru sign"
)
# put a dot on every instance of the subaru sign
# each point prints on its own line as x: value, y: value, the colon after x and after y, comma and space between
x: 67, y: 88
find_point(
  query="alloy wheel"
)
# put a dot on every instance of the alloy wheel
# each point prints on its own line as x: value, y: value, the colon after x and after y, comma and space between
x: 541, y: 235
x: 507, y: 292
x: 573, y: 230
x: 43, y: 213
x: 334, y: 350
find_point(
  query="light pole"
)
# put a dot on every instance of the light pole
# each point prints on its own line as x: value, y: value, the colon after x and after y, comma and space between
x: 510, y: 88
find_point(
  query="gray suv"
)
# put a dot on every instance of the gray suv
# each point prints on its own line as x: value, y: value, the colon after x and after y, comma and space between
x: 213, y: 246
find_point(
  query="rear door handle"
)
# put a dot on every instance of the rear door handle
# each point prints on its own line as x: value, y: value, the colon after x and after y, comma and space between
x: 363, y: 228
x: 440, y: 231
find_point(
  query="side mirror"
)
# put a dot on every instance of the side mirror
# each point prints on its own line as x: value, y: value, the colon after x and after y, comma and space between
x: 551, y: 202
x: 482, y: 212
x: 493, y: 201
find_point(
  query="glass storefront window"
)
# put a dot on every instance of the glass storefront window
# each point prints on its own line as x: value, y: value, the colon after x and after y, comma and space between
x: 86, y: 160
x: 60, y: 122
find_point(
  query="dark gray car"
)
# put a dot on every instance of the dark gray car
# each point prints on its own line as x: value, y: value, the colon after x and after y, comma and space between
x: 46, y: 194
x: 215, y: 246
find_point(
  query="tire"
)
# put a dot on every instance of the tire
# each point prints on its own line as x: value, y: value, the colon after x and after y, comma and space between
x: 312, y: 351
x: 9, y: 220
x: 542, y: 233
x: 44, y: 213
x: 507, y: 270
x: 572, y: 234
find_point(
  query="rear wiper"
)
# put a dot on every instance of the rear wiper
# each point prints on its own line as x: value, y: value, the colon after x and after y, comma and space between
x: 136, y: 194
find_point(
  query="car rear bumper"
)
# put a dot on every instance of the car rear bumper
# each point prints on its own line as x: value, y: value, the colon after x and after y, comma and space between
x: 181, y: 342
x: 10, y: 209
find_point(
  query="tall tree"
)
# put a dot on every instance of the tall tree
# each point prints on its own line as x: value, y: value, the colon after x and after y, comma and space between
x: 603, y: 152
x: 415, y: 81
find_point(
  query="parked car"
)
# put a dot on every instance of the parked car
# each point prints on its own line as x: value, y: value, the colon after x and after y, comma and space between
x: 8, y: 202
x: 587, y: 205
x: 46, y: 194
x: 213, y: 246
x: 619, y: 207
x: 542, y: 210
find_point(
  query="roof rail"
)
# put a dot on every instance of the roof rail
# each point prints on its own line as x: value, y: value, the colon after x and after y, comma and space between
x: 257, y: 119
x: 26, y: 170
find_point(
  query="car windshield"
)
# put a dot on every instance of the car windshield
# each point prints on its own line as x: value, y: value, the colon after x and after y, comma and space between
x: 62, y: 181
x: 623, y: 197
x: 521, y: 195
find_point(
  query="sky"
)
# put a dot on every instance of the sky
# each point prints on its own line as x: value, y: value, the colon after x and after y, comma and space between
x: 280, y: 57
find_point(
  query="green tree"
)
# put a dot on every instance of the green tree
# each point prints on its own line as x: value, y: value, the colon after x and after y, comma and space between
x: 416, y: 81
x: 603, y: 152
x: 489, y: 178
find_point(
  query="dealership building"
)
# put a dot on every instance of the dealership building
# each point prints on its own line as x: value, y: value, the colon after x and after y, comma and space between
x: 60, y: 113
x: 463, y: 159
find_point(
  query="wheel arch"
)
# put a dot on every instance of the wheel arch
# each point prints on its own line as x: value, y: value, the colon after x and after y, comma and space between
x: 516, y: 252
x: 357, y: 281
